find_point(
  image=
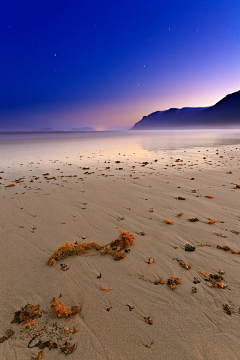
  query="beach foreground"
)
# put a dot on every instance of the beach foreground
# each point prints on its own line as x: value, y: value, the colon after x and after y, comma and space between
x: 53, y: 191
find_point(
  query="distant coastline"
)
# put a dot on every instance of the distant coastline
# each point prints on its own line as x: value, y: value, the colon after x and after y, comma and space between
x: 224, y: 114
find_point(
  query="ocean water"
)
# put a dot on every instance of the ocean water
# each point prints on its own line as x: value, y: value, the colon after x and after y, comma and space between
x: 20, y: 146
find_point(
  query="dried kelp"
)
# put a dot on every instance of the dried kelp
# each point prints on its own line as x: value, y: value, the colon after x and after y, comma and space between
x: 148, y: 320
x: 211, y: 221
x: 67, y: 348
x: 227, y: 248
x: 169, y: 222
x: 60, y: 310
x: 182, y: 263
x: 150, y: 261
x: 213, y: 280
x: 193, y: 219
x: 114, y: 248
x: 173, y: 282
x: 104, y: 289
x: 39, y: 356
x: 8, y: 335
x: 220, y: 235
x: 179, y: 215
x: 149, y: 345
x: 155, y: 282
x: 27, y: 315
x: 159, y: 282
x: 227, y: 309
x: 43, y: 344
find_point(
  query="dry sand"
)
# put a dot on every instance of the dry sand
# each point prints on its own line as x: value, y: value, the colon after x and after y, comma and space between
x: 42, y: 212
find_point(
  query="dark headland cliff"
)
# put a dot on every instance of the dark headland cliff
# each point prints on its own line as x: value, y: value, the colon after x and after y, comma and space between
x: 225, y: 113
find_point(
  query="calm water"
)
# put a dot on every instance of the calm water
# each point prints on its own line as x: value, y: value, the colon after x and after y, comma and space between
x: 147, y: 140
x: 19, y: 148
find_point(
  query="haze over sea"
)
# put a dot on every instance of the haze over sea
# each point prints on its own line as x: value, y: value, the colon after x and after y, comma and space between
x: 123, y: 140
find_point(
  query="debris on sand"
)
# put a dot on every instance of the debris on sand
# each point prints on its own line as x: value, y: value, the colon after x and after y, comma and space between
x: 60, y: 310
x: 213, y: 280
x: 211, y: 221
x: 169, y: 222
x: 67, y: 348
x: 196, y: 281
x: 182, y: 263
x: 179, y: 215
x: 104, y: 289
x: 39, y: 356
x: 9, y: 334
x: 227, y: 248
x: 43, y: 344
x: 189, y: 247
x: 173, y: 282
x: 114, y: 248
x: 149, y: 345
x: 227, y: 309
x: 28, y: 315
x: 150, y: 261
x: 148, y: 320
x: 193, y: 219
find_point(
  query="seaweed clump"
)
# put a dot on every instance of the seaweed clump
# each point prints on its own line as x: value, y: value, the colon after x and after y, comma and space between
x: 183, y: 264
x: 173, y: 282
x: 60, y: 310
x: 9, y: 334
x: 213, y: 280
x: 114, y: 248
x: 227, y: 248
x: 67, y: 348
x: 28, y: 315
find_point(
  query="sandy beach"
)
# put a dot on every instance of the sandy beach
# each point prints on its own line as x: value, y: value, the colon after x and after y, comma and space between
x: 159, y: 301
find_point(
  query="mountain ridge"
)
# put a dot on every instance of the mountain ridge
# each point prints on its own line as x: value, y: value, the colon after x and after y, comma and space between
x: 222, y: 114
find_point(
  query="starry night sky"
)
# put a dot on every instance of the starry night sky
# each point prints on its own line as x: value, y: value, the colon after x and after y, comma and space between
x: 71, y: 63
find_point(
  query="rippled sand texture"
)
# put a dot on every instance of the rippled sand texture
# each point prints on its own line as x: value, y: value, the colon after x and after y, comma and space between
x: 159, y: 301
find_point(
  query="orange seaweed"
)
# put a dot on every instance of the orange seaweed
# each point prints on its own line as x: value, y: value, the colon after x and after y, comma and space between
x: 104, y: 289
x: 27, y: 315
x: 209, y: 196
x: 179, y: 215
x: 227, y: 248
x: 193, y: 219
x: 67, y: 348
x: 173, y: 282
x: 211, y: 221
x: 182, y: 263
x: 39, y: 356
x: 169, y: 222
x: 114, y: 248
x: 60, y: 310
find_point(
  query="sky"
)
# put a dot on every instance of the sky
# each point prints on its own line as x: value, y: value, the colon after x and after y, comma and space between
x: 105, y: 64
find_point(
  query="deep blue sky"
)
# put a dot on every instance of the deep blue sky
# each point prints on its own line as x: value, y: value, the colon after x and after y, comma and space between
x: 73, y: 63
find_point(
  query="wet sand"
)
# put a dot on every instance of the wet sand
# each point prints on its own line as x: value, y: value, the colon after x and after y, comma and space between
x: 88, y: 191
